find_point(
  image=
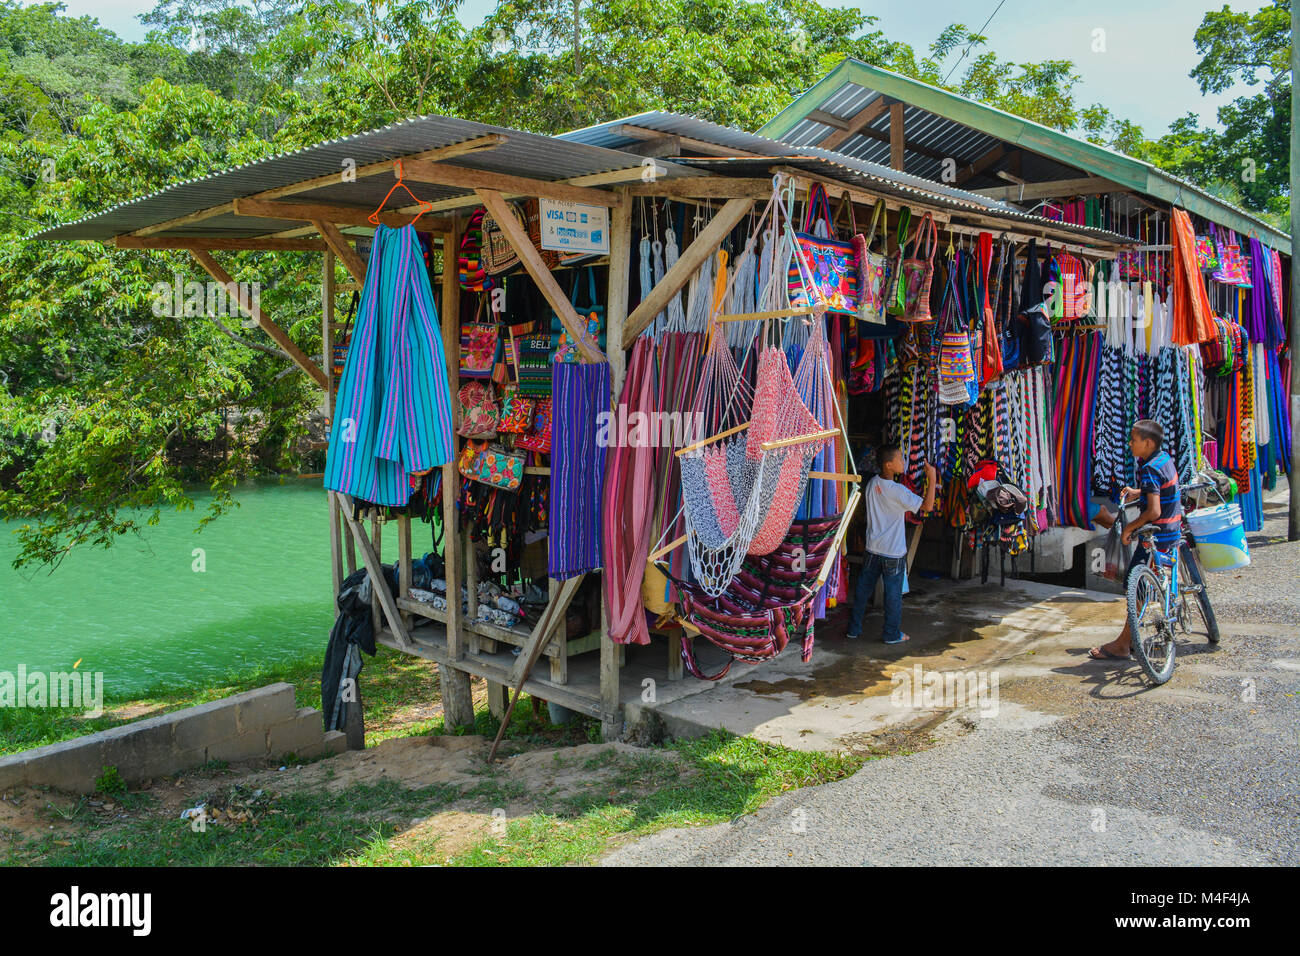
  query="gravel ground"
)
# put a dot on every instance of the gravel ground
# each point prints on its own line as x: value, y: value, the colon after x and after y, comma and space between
x: 1082, y: 765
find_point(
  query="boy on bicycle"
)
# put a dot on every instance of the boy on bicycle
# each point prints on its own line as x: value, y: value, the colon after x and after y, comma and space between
x: 1157, y: 479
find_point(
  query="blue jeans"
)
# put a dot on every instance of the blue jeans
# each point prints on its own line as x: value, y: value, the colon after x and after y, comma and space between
x: 891, y: 569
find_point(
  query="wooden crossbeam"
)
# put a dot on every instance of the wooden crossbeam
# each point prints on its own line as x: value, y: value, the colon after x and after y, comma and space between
x: 333, y: 212
x: 222, y: 243
x: 855, y: 123
x: 374, y: 567
x: 687, y: 142
x: 705, y: 245
x: 533, y: 264
x: 442, y: 174
x: 278, y: 334
x: 705, y: 187
x: 1055, y: 189
x: 339, y: 245
x: 980, y: 164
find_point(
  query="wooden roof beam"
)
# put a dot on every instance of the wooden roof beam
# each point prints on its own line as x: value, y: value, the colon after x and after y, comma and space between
x: 462, y: 177
x: 332, y: 212
x: 1055, y: 189
x: 854, y: 123
x: 226, y: 243
x: 981, y: 164
x: 687, y: 142
x: 339, y: 245
x: 897, y: 137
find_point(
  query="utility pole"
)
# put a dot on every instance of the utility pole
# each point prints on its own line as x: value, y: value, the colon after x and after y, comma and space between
x: 1293, y: 524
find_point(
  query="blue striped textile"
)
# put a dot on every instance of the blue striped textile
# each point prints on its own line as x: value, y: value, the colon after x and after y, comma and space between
x: 392, y: 417
x: 578, y: 394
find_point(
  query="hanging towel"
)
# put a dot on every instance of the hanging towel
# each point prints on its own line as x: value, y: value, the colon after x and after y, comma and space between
x: 579, y: 392
x: 392, y: 417
x: 1193, y: 318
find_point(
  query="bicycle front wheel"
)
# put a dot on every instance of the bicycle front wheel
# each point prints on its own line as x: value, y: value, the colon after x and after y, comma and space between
x: 1152, y: 631
x: 1193, y: 594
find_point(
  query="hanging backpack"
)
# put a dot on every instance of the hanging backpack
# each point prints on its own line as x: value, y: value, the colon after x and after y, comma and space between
x: 566, y: 350
x: 918, y: 272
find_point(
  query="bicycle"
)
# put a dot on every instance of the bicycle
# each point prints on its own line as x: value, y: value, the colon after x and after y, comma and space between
x: 1164, y: 595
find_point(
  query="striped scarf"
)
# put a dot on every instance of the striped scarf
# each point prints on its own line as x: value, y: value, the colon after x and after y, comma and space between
x: 579, y: 392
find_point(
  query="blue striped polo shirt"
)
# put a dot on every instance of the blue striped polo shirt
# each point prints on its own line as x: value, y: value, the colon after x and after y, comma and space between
x: 1159, y: 475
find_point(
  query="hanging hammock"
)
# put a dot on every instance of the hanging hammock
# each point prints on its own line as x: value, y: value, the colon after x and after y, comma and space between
x: 771, y: 601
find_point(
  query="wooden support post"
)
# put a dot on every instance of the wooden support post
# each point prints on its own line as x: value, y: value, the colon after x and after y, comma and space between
x: 897, y: 143
x: 404, y: 563
x: 676, y: 666
x: 536, y: 268
x: 327, y: 333
x: 457, y: 699
x: 277, y: 334
x: 374, y: 566
x: 498, y: 699
x: 675, y: 279
x: 376, y: 589
x: 336, y: 547
x: 620, y: 265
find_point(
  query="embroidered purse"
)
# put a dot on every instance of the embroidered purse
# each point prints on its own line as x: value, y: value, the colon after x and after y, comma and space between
x: 1207, y: 256
x: 566, y: 350
x: 479, y: 348
x: 538, y: 436
x: 478, y: 410
x: 516, y: 411
x: 491, y: 465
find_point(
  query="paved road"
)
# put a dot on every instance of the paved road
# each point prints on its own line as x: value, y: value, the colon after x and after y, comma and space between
x: 1081, y: 764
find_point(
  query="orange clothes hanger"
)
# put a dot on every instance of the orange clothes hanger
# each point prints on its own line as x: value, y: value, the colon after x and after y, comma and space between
x: 424, y: 204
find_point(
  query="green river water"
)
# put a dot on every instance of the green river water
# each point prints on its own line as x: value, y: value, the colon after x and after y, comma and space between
x: 143, y: 616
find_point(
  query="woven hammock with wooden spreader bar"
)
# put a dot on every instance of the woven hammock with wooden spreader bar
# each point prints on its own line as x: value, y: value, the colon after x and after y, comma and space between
x: 741, y: 492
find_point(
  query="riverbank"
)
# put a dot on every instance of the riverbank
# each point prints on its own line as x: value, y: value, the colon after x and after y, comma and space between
x: 414, y: 796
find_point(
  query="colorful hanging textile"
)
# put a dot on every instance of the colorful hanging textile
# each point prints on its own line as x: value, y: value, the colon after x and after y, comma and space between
x: 1193, y: 318
x: 579, y: 392
x: 392, y: 417
x: 628, y: 511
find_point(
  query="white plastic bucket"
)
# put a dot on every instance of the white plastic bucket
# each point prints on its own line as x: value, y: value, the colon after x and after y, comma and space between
x: 1220, y: 537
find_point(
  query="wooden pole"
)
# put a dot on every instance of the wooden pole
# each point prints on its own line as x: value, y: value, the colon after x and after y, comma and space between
x: 897, y: 143
x: 339, y: 245
x: 1293, y: 522
x: 457, y: 699
x: 277, y: 334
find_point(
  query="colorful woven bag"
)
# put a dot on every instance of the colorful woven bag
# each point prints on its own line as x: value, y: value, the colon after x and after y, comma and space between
x: 895, y: 284
x: 480, y: 344
x: 918, y: 272
x: 830, y: 265
x: 873, y: 268
x: 472, y: 275
x: 538, y: 436
x: 566, y: 349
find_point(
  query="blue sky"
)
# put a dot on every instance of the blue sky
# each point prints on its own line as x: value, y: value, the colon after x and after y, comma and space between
x: 1142, y: 75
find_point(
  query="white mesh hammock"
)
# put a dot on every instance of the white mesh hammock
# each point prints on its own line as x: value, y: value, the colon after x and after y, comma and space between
x: 740, y: 492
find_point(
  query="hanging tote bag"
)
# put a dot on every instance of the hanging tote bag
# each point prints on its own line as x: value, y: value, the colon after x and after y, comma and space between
x: 1232, y: 270
x: 872, y: 269
x: 895, y: 286
x: 478, y: 410
x: 566, y: 350
x: 498, y: 254
x: 480, y: 342
x: 956, y: 368
x: 830, y: 265
x: 918, y: 272
x: 1207, y: 256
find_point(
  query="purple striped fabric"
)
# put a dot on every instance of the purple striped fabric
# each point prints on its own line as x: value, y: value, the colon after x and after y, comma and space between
x: 579, y: 392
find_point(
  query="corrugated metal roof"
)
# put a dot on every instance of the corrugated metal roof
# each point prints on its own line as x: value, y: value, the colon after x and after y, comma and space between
x: 949, y: 121
x: 607, y: 134
x: 525, y: 154
x: 856, y: 173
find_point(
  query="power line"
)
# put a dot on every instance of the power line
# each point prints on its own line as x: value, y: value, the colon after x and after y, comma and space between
x: 980, y: 32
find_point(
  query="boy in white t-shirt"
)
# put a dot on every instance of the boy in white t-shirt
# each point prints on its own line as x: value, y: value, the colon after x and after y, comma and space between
x: 887, y: 502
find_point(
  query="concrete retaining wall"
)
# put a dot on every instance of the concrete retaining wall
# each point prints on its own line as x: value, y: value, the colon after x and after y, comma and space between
x: 257, y: 723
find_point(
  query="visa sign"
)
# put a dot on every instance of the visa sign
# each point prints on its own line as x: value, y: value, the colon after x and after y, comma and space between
x: 574, y: 227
